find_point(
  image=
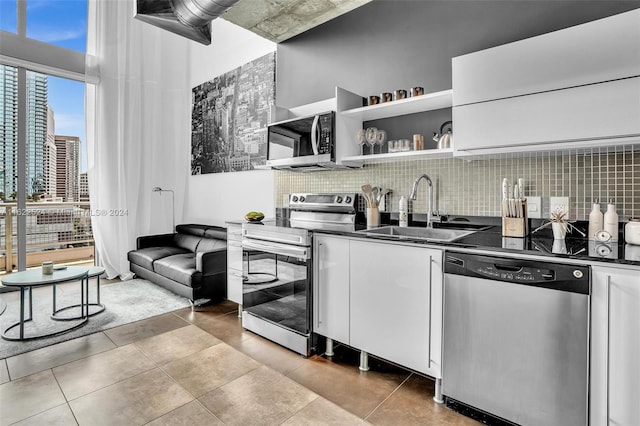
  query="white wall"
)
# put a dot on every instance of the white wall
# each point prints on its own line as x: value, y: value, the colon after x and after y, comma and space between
x: 214, y: 198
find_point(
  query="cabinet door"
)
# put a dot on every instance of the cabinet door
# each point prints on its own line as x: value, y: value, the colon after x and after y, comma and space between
x: 602, y: 50
x: 615, y: 347
x: 588, y: 114
x: 234, y: 271
x: 331, y: 287
x: 390, y: 302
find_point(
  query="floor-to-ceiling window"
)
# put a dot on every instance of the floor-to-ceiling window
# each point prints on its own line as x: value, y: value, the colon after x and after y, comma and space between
x: 42, y: 134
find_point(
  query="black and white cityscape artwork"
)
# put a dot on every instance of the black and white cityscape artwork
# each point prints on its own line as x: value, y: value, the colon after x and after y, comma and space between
x: 230, y: 116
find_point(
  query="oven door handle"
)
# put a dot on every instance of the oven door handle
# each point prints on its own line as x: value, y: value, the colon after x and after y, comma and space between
x: 276, y: 248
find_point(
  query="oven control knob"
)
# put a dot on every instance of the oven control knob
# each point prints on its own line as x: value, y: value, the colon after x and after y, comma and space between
x: 294, y: 198
x: 301, y: 199
x: 338, y: 199
x: 347, y: 199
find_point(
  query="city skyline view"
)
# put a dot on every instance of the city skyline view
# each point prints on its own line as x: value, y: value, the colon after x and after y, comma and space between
x: 62, y: 23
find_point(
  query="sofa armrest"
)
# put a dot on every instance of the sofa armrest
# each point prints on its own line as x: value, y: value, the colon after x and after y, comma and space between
x: 154, y: 241
x: 211, y: 262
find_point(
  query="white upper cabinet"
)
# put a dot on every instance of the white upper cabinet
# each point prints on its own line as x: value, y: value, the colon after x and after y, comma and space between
x: 602, y: 50
x: 571, y: 88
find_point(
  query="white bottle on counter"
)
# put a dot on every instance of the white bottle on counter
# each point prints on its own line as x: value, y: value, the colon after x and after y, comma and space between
x: 404, y: 211
x: 611, y: 221
x: 596, y: 220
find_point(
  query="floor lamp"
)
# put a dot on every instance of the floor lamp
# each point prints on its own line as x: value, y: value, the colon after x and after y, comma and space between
x: 173, y: 215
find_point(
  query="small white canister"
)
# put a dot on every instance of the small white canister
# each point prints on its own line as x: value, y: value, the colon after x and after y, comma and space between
x: 632, y: 231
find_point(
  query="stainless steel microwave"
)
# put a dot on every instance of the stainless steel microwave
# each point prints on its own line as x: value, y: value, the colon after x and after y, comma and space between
x: 302, y: 143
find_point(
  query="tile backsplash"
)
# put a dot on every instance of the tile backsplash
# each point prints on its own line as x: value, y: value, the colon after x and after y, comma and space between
x: 473, y: 187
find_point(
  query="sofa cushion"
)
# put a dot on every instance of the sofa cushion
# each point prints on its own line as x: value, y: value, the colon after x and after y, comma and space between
x: 186, y: 241
x: 211, y: 244
x: 217, y: 232
x: 146, y: 256
x: 180, y: 268
x: 192, y: 229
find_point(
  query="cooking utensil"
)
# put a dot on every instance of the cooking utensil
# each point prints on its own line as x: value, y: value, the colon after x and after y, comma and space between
x: 367, y: 190
x: 382, y: 194
x: 443, y: 138
x: 374, y: 194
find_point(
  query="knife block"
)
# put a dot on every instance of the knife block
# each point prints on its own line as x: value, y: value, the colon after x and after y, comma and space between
x: 516, y: 226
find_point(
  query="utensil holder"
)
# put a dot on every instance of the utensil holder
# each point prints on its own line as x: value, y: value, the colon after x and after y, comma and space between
x: 516, y: 226
x: 373, y: 217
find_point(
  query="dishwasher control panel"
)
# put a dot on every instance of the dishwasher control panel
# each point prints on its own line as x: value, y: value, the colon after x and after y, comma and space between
x: 557, y: 276
x: 525, y: 274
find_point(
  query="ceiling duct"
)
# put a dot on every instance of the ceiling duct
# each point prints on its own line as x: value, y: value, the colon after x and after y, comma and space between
x: 188, y: 18
x: 196, y: 13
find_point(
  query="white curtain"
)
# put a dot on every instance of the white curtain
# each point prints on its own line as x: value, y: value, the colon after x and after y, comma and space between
x: 138, y: 129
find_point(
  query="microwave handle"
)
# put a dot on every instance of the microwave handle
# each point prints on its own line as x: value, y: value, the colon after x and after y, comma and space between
x: 314, y: 134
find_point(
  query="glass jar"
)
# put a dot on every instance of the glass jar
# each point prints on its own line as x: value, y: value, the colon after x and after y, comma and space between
x: 405, y: 145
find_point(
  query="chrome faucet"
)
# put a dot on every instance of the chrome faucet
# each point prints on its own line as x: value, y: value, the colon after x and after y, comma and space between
x: 414, y: 195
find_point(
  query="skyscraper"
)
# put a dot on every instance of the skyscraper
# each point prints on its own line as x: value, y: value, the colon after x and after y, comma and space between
x: 50, y: 155
x: 36, y: 115
x: 67, y: 167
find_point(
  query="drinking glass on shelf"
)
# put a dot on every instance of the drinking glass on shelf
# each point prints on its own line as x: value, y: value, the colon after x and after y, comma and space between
x: 392, y: 146
x: 381, y: 139
x: 361, y: 140
x: 371, y: 135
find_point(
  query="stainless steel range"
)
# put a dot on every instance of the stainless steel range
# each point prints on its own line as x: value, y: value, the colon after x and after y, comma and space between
x: 277, y: 267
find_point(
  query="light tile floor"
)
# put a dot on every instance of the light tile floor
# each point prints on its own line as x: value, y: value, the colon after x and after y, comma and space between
x: 203, y: 368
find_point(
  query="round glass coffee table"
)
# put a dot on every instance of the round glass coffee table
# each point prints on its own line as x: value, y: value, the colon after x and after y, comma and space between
x: 26, y: 281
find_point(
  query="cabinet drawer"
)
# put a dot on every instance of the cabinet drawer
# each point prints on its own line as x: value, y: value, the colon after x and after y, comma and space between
x: 234, y: 232
x: 234, y: 256
x: 594, y: 112
x: 234, y: 285
x: 598, y: 51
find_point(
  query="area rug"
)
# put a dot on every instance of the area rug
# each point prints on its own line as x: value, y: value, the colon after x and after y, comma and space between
x: 125, y: 302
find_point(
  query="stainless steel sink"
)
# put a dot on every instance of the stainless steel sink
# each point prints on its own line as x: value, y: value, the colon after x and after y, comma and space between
x: 412, y: 233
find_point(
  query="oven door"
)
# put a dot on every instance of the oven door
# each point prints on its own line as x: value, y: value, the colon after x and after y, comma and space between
x: 277, y: 284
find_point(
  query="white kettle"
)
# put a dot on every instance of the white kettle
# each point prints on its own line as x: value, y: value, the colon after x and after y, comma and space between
x: 443, y: 138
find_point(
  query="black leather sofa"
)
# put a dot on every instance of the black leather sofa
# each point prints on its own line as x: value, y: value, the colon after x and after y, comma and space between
x: 192, y: 262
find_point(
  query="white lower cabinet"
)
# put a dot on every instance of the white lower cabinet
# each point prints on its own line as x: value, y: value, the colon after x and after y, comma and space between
x: 331, y: 288
x: 615, y: 346
x: 234, y: 262
x: 381, y: 298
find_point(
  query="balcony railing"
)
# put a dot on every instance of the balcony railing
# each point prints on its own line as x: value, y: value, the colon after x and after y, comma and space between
x: 60, y: 232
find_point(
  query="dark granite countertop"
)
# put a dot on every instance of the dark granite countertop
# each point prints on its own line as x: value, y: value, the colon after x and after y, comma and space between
x: 489, y: 238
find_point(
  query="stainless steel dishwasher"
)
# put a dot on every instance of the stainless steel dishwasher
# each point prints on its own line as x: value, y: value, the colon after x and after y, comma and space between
x: 516, y: 337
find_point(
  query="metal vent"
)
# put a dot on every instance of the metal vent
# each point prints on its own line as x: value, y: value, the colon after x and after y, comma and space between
x: 188, y: 18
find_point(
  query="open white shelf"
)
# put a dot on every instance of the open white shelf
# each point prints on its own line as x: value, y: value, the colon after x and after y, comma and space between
x: 427, y: 102
x: 359, y: 160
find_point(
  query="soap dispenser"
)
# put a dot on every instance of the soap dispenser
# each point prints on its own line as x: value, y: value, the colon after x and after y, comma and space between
x: 404, y: 212
x: 596, y: 220
x: 611, y: 221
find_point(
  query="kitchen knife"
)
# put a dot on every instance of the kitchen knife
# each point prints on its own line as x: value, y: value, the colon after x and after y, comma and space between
x: 505, y: 196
